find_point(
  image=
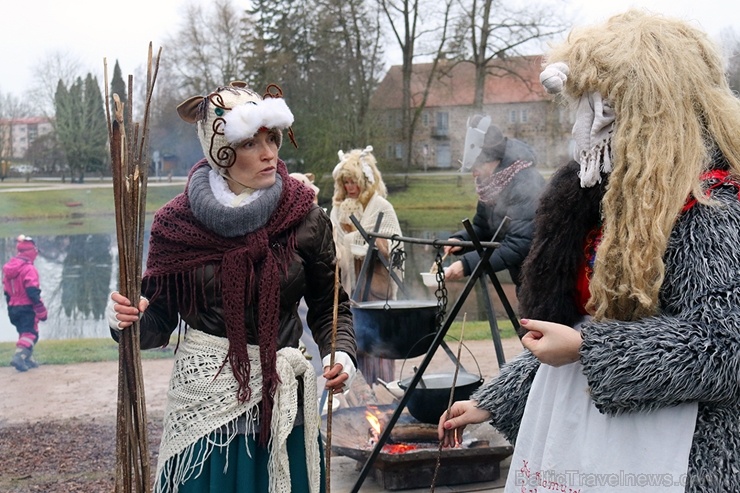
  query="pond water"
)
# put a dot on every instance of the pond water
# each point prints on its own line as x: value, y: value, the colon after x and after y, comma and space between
x: 78, y: 272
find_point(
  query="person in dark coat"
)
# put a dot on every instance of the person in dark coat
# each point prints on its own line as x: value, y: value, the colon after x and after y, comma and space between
x: 508, y: 187
x: 231, y: 258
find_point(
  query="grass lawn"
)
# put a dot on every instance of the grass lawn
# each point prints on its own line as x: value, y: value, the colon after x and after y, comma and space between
x: 69, y: 351
x: 429, y: 201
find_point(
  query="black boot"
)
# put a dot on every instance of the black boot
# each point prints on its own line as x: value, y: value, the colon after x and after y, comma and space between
x: 31, y: 362
x: 20, y: 358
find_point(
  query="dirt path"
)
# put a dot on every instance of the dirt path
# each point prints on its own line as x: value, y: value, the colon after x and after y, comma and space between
x: 89, y: 390
x: 58, y: 426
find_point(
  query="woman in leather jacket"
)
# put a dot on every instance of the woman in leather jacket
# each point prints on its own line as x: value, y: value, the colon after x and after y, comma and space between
x: 230, y: 258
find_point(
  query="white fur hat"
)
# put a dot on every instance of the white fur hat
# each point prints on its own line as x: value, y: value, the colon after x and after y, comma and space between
x: 230, y: 115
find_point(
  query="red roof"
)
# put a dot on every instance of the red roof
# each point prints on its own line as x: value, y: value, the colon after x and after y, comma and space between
x: 34, y: 120
x: 513, y: 80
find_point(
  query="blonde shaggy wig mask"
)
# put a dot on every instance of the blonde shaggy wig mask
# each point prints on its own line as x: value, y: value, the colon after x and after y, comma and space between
x: 360, y: 166
x: 673, y: 107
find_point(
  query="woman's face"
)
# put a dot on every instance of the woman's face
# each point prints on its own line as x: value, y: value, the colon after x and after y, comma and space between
x: 351, y: 188
x: 256, y: 163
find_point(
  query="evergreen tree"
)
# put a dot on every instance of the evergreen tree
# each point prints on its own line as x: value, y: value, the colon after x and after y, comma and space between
x: 81, y: 126
x: 96, y: 128
x: 118, y: 86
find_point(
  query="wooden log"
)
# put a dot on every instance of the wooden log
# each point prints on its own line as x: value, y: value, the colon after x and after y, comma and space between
x: 414, y: 432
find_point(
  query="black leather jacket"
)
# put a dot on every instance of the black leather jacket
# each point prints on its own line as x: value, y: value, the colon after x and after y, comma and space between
x: 310, y: 275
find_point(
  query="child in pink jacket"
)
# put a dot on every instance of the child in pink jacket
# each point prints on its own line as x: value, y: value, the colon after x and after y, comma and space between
x: 25, y: 307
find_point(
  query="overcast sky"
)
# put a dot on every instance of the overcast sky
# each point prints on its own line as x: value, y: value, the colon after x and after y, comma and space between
x: 91, y: 30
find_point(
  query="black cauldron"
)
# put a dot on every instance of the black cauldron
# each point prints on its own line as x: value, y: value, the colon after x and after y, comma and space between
x: 394, y: 328
x: 431, y: 396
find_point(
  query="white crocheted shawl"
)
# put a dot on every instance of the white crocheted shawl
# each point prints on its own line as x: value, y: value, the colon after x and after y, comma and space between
x: 202, y: 399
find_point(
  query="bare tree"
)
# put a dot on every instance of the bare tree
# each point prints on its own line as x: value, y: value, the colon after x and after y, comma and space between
x: 11, y: 108
x: 205, y: 51
x: 494, y: 29
x: 47, y: 72
x: 346, y: 68
x: 407, y: 19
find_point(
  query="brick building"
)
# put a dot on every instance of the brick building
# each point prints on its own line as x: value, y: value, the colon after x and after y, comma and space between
x: 513, y: 97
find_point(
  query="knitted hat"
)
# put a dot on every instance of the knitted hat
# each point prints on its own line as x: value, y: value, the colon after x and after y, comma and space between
x: 232, y: 114
x: 484, y: 142
x: 26, y: 245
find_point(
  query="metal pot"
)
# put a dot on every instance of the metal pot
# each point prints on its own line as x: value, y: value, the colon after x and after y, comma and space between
x: 431, y: 396
x: 394, y: 328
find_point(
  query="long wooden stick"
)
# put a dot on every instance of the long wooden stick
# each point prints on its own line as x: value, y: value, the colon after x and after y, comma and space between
x: 451, y: 401
x: 330, y: 403
x: 129, y: 152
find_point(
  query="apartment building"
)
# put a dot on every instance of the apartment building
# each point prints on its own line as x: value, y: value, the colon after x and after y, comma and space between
x: 18, y: 134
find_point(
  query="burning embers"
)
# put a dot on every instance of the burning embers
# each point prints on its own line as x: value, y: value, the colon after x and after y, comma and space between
x: 406, y: 434
x: 409, y: 457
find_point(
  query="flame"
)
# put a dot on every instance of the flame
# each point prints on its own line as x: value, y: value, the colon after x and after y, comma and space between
x: 374, y: 422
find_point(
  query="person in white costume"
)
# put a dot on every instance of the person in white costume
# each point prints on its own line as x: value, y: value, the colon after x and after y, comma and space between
x: 359, y: 190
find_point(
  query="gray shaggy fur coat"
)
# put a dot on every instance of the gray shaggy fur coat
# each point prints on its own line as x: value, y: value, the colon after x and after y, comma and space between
x: 689, y: 352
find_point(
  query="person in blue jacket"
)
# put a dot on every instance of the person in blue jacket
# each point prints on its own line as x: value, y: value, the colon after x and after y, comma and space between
x: 508, y: 186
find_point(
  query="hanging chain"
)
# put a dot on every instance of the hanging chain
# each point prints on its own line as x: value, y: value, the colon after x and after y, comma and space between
x: 398, y: 256
x: 396, y: 262
x: 441, y: 291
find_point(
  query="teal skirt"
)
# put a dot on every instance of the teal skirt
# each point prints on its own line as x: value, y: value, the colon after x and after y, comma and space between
x: 248, y: 474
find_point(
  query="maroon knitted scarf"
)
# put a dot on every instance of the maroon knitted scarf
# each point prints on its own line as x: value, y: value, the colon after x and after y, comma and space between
x: 180, y: 246
x: 489, y: 188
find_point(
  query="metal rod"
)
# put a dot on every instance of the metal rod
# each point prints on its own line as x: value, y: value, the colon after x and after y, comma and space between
x: 480, y: 246
x: 434, y: 242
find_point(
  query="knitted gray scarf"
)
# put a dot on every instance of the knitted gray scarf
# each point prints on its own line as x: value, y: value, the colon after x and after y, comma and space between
x: 230, y: 222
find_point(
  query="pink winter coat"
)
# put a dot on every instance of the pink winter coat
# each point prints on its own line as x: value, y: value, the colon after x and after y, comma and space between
x: 19, y: 274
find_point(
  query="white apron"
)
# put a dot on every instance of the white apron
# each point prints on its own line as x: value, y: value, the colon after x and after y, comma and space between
x: 566, y: 445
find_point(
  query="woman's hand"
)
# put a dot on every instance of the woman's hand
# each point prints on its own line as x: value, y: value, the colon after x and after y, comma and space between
x: 552, y: 344
x: 455, y: 271
x: 120, y: 313
x: 462, y: 413
x: 338, y: 377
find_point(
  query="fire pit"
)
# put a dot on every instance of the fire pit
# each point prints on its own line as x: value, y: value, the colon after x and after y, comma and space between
x: 409, y: 459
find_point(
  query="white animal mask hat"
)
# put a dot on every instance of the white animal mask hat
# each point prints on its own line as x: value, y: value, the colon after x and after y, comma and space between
x: 365, y: 157
x: 484, y: 142
x: 232, y: 114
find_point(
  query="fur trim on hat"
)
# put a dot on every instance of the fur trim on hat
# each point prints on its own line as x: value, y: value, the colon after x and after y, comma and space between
x: 230, y: 115
x: 245, y: 120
